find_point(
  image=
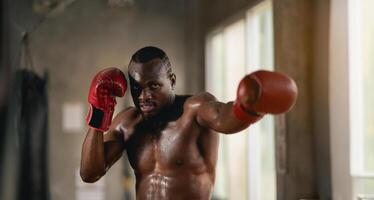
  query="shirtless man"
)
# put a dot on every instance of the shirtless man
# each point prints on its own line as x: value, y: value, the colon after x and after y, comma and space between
x: 171, y: 140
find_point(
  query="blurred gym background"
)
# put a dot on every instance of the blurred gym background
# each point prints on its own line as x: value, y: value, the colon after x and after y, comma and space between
x: 322, y: 149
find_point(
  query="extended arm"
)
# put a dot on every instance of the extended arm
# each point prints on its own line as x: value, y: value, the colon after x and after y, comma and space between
x: 258, y: 93
x: 220, y: 117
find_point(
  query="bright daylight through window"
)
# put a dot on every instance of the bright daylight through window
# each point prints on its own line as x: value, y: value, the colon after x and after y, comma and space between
x: 246, y: 165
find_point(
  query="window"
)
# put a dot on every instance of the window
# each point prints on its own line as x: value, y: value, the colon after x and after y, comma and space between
x: 246, y: 164
x: 351, y: 87
x: 225, y: 66
x: 361, y: 71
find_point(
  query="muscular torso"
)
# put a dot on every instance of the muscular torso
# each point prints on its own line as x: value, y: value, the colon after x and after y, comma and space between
x: 173, y: 158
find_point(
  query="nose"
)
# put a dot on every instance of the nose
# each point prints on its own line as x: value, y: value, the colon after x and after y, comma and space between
x: 145, y: 94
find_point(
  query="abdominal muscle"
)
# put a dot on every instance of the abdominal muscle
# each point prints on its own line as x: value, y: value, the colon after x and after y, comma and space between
x: 184, y: 185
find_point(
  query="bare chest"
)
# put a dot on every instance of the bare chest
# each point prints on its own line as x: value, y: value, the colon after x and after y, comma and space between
x: 172, y: 148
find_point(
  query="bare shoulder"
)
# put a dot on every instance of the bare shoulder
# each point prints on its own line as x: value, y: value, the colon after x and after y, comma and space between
x: 125, y: 117
x: 122, y: 122
x: 129, y: 112
x: 198, y: 99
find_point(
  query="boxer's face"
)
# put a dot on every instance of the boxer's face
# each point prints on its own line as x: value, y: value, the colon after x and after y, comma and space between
x: 151, y: 87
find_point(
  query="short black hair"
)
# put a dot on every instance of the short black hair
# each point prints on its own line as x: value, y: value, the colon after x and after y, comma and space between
x: 149, y: 53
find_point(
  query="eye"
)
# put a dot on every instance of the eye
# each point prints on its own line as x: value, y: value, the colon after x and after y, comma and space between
x: 155, y: 86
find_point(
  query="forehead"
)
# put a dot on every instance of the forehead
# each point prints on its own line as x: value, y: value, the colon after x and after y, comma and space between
x: 151, y: 70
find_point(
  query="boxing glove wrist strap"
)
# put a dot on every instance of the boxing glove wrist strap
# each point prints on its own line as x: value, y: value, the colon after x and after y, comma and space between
x: 244, y: 116
x: 98, y: 119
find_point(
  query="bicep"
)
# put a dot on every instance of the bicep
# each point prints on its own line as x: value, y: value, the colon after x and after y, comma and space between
x: 114, y: 140
x: 219, y: 117
x: 113, y: 147
x: 208, y: 113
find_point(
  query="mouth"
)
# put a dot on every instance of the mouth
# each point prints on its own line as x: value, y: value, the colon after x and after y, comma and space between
x: 147, y: 107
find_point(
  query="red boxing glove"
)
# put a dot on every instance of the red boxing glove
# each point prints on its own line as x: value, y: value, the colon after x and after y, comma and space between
x: 264, y: 92
x: 107, y: 84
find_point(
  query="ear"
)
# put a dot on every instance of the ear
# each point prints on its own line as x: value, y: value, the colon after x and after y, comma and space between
x: 173, y: 79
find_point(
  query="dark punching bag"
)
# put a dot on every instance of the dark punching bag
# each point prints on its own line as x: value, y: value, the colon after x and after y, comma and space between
x: 33, y: 137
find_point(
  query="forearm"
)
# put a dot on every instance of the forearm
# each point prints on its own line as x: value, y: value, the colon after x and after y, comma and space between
x: 93, y: 156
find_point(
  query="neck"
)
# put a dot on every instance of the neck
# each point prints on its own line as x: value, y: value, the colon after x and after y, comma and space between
x: 169, y: 112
